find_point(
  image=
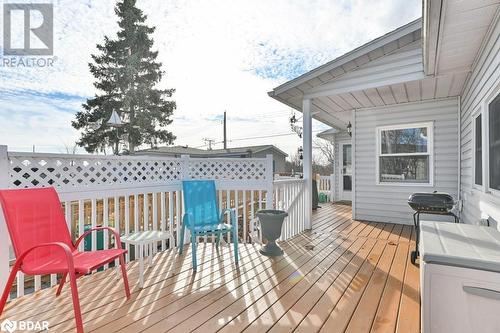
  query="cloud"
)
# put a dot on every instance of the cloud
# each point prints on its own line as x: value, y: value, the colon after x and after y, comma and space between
x: 219, y: 55
x: 43, y: 118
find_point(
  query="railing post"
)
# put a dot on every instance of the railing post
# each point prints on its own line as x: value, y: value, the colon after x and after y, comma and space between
x: 269, y: 179
x: 185, y: 167
x: 184, y: 176
x: 4, y: 238
x: 332, y: 187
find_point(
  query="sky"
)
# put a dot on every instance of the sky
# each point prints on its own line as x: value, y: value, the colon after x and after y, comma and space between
x: 220, y: 55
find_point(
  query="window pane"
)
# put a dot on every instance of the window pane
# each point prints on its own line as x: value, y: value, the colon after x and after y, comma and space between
x: 347, y: 180
x: 494, y: 143
x: 404, y: 169
x: 401, y: 141
x: 478, y: 167
x: 346, y: 160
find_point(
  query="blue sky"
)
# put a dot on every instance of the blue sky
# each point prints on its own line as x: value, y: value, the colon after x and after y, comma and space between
x: 219, y: 55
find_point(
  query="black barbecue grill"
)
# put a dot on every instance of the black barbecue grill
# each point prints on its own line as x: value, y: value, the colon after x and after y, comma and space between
x: 436, y: 203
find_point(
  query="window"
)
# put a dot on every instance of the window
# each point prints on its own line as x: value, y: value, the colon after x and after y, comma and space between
x: 478, y: 150
x: 494, y: 143
x: 405, y: 154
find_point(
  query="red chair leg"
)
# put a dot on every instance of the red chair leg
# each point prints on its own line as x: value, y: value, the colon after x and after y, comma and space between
x: 124, y: 274
x: 76, y: 302
x: 8, y: 286
x: 61, y: 284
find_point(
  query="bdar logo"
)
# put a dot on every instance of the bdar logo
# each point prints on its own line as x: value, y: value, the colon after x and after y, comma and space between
x: 8, y: 326
x: 28, y: 29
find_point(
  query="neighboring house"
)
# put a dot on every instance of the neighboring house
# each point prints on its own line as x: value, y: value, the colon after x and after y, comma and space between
x: 424, y: 105
x: 279, y: 156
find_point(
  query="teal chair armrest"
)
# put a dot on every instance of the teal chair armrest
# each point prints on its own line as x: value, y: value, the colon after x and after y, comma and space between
x: 232, y: 215
x: 188, y: 220
x: 233, y: 219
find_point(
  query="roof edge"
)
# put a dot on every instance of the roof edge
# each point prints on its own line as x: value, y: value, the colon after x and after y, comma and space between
x: 357, y: 52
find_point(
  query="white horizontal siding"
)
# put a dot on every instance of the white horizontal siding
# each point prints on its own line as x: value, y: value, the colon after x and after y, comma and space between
x: 484, y: 78
x: 388, y: 203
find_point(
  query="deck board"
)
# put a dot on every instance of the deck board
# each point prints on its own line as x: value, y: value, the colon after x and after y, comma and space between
x: 352, y: 277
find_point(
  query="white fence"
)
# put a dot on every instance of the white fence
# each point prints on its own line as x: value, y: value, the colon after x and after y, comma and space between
x: 289, y: 196
x: 132, y: 193
x: 326, y: 185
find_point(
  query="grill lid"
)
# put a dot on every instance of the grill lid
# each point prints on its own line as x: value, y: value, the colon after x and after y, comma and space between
x: 424, y: 201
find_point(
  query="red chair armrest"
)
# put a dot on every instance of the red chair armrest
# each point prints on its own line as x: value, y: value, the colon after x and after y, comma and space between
x: 113, y: 231
x: 63, y: 246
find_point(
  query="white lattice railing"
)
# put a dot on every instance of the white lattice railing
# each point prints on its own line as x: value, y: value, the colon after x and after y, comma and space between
x: 131, y: 193
x: 326, y: 185
x: 288, y: 195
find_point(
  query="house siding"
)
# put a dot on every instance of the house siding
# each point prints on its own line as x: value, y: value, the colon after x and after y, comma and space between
x: 388, y: 203
x: 279, y: 159
x: 483, y: 80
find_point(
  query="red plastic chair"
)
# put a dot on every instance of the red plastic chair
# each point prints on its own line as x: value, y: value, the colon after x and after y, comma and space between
x: 42, y: 243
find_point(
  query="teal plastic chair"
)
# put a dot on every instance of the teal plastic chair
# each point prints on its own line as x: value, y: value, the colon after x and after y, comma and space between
x: 203, y: 217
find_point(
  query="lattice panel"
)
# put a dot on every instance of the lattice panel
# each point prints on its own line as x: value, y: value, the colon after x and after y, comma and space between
x: 228, y: 169
x: 81, y: 172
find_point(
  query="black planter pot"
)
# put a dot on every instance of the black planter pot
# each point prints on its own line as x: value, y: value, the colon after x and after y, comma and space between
x: 271, y: 222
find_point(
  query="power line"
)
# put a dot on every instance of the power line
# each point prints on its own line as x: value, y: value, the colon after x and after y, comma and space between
x: 264, y: 136
x: 253, y: 138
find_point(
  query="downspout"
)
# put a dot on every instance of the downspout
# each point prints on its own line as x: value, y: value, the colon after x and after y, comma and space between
x: 353, y: 164
x: 459, y: 155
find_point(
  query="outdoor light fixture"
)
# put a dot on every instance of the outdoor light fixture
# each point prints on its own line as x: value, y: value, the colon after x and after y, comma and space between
x: 295, y: 128
x: 349, y: 129
x: 115, y: 120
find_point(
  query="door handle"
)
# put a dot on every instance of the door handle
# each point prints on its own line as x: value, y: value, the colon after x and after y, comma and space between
x: 482, y: 292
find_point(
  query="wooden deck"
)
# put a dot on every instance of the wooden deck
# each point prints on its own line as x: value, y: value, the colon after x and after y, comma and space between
x: 343, y: 276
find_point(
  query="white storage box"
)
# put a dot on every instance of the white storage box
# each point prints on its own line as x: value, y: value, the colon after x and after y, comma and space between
x: 459, y: 278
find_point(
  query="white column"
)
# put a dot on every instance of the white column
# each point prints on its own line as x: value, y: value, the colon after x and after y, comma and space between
x: 307, y: 160
x: 4, y: 236
x: 332, y: 176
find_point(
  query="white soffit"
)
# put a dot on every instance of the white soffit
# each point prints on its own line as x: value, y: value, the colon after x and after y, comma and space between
x: 454, y: 31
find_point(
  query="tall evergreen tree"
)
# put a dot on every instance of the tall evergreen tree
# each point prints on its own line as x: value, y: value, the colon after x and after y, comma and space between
x: 127, y: 77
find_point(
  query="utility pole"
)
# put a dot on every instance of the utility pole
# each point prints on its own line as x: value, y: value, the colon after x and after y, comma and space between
x: 209, y: 142
x: 225, y: 131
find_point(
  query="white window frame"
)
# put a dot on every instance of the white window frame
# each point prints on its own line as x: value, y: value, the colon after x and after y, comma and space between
x: 476, y: 114
x: 430, y: 152
x: 486, y: 139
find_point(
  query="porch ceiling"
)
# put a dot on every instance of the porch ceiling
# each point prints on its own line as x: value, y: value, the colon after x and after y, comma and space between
x: 397, y: 77
x: 335, y: 110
